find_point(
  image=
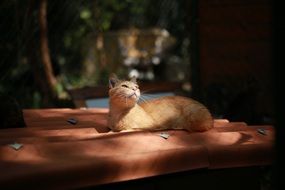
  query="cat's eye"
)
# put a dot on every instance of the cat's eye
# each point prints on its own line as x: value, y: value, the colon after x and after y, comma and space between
x: 125, y: 86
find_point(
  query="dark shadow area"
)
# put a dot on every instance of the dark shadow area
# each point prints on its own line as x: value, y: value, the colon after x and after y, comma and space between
x: 11, y: 114
x: 249, y: 179
x: 278, y: 52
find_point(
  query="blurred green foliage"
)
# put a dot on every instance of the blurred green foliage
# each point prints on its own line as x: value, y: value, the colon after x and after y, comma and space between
x: 71, y: 23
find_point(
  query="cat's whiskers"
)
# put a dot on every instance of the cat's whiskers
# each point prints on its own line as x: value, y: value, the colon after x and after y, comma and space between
x: 150, y: 95
x: 143, y: 99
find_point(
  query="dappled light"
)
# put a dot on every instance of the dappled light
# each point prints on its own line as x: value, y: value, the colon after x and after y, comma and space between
x: 71, y: 73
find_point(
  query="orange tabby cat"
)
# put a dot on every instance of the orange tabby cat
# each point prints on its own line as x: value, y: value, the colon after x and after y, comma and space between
x: 172, y: 112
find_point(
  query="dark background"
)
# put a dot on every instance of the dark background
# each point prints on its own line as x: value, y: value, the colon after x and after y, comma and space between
x: 223, y: 49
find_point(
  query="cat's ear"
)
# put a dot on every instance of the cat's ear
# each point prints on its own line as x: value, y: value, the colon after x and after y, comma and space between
x: 113, y: 80
x: 134, y: 79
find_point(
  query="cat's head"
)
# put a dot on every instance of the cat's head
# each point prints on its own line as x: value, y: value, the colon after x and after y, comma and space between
x: 123, y: 93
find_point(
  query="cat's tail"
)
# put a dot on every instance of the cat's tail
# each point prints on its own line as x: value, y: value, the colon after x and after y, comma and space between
x: 199, y: 120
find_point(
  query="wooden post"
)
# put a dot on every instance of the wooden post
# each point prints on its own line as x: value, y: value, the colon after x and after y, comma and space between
x: 192, y: 26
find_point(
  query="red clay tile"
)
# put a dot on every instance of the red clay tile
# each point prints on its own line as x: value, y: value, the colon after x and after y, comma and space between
x: 56, y: 154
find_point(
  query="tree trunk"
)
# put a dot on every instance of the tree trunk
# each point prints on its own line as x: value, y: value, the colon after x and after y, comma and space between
x: 44, y: 51
x: 32, y: 47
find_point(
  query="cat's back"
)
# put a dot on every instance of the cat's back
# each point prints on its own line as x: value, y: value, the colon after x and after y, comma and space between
x: 178, y: 111
x: 168, y: 102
